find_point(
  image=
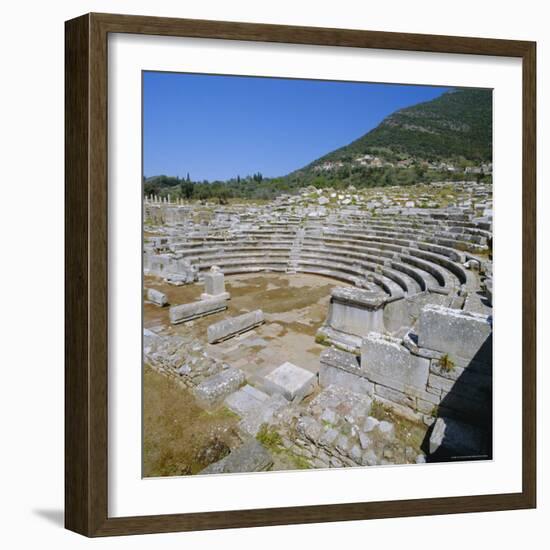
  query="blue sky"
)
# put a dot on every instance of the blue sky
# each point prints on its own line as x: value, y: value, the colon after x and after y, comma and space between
x: 218, y: 127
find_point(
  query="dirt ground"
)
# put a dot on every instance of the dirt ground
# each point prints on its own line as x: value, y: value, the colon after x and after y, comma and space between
x: 295, y: 306
x: 180, y: 438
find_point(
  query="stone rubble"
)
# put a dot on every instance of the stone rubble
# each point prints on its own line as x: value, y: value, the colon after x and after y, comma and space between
x: 413, y: 335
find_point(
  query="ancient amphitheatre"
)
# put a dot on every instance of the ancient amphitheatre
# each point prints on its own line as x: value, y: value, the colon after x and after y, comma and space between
x: 329, y: 328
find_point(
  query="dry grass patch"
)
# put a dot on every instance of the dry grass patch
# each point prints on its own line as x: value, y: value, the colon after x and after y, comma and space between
x: 180, y: 438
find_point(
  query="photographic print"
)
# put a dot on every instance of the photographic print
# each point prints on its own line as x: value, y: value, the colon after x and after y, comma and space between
x: 317, y: 274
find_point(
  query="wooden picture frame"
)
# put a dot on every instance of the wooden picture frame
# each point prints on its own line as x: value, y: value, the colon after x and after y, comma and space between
x: 86, y: 280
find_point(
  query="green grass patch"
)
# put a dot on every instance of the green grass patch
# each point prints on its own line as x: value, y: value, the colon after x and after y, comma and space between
x: 269, y: 438
x: 446, y: 364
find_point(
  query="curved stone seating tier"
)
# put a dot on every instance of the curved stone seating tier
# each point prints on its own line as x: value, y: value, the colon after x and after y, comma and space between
x: 420, y: 235
x: 447, y: 239
x: 451, y: 253
x: 352, y: 251
x: 224, y: 257
x: 412, y: 220
x: 464, y: 277
x: 394, y: 239
x: 382, y: 249
x: 256, y: 268
x: 233, y: 268
x: 403, y: 252
x: 413, y: 270
x: 481, y: 228
x: 438, y: 274
x: 372, y: 264
x: 425, y: 280
x: 395, y: 220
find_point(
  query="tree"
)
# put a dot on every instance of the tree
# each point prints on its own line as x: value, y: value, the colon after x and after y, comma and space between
x: 186, y: 188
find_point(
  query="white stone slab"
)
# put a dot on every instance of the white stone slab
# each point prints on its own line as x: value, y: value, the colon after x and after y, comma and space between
x: 245, y: 400
x: 292, y: 382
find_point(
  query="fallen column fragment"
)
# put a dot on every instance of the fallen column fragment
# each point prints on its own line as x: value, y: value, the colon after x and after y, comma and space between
x: 223, y: 330
x: 193, y: 310
x: 156, y: 297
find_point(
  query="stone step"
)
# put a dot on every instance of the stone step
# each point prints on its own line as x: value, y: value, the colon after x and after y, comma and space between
x: 211, y: 392
x: 254, y: 407
x: 251, y: 456
x: 292, y: 382
x: 245, y: 399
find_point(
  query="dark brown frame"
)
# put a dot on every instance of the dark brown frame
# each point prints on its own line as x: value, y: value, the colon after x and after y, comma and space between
x: 86, y: 274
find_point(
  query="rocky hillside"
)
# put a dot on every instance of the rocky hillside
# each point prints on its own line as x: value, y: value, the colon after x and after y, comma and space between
x: 453, y: 128
x: 446, y: 139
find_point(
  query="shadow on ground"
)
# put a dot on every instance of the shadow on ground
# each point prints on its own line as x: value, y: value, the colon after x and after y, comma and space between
x: 55, y: 516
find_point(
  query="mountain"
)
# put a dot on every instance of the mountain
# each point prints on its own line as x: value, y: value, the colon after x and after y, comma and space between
x: 455, y: 127
x: 448, y: 138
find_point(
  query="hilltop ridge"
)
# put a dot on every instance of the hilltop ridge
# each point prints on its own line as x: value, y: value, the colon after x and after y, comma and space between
x: 447, y: 138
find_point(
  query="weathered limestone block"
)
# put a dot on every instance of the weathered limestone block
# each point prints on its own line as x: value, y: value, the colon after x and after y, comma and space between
x: 251, y: 456
x: 227, y: 328
x: 400, y: 410
x: 357, y: 311
x: 385, y: 361
x: 451, y: 437
x: 245, y: 399
x: 329, y: 376
x: 254, y: 407
x: 175, y: 270
x: 179, y: 279
x: 395, y: 396
x: 212, y: 391
x: 466, y: 337
x: 214, y: 285
x: 156, y: 297
x: 193, y: 310
x: 425, y: 407
x: 342, y: 360
x: 342, y: 369
x: 262, y: 414
x: 292, y: 382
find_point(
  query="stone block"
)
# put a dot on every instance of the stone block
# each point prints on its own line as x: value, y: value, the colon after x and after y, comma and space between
x: 212, y: 391
x: 194, y: 310
x: 214, y: 282
x: 385, y: 361
x: 356, y: 311
x: 156, y: 297
x: 453, y: 373
x: 227, y: 328
x: 394, y: 395
x: 440, y: 383
x: 245, y: 399
x: 386, y: 429
x: 400, y: 410
x: 292, y: 382
x: 342, y: 360
x: 425, y: 407
x: 263, y: 413
x: 329, y: 375
x: 251, y: 456
x: 370, y: 424
x: 466, y: 337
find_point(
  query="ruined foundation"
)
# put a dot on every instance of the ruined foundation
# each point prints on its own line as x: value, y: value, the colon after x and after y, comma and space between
x: 405, y: 346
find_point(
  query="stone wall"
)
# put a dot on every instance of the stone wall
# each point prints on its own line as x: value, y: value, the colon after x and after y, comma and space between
x: 422, y: 382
